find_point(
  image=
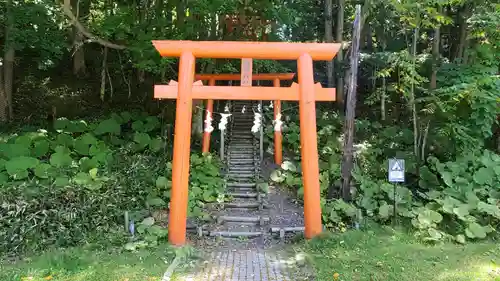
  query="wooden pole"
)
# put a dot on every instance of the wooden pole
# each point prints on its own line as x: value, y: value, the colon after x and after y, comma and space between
x: 182, y: 147
x: 309, y: 147
x: 278, y: 149
x: 210, y: 110
x: 347, y: 159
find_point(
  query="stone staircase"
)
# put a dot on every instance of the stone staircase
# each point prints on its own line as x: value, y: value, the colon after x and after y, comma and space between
x: 250, y: 217
x: 244, y: 215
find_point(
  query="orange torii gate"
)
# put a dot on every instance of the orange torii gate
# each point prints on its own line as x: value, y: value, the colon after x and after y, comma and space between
x: 306, y: 92
x: 275, y: 77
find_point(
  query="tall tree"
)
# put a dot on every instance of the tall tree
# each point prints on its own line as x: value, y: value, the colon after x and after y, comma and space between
x: 340, y: 56
x: 329, y: 38
x: 8, y: 68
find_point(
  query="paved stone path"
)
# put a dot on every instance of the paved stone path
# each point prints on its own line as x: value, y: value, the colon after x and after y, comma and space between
x: 243, y: 265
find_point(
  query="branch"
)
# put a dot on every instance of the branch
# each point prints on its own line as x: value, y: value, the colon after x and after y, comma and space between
x: 74, y: 21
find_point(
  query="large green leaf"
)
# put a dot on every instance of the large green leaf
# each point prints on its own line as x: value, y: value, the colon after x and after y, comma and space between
x: 429, y: 217
x: 42, y: 170
x: 288, y: 166
x: 142, y: 140
x: 447, y: 178
x: 384, y: 211
x: 277, y: 176
x: 151, y: 124
x: 60, y: 159
x: 40, y: 148
x: 156, y: 144
x: 138, y: 126
x: 2, y: 164
x: 149, y: 221
x: 484, y: 176
x: 434, y: 234
x: 64, y: 140
x: 61, y: 181
x: 18, y: 167
x: 14, y: 150
x: 461, y: 211
x: 88, y: 163
x: 162, y: 182
x: 475, y: 230
x: 108, y: 126
x: 490, y: 209
x: 61, y: 123
x: 79, y: 126
x: 156, y: 202
x: 82, y: 178
x: 4, y: 178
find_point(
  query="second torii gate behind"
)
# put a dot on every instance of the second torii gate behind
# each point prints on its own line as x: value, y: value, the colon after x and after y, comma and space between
x: 184, y: 92
x: 275, y: 77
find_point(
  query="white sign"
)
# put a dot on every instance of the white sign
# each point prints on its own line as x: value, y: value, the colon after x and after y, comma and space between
x: 396, y: 170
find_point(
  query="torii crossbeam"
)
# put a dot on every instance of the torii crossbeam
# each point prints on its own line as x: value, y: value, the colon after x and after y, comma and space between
x: 306, y: 92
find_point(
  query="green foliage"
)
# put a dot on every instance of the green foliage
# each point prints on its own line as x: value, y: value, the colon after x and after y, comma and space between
x: 63, y: 187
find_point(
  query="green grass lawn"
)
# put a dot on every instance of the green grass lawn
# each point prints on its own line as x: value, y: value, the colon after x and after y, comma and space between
x: 389, y: 255
x: 86, y: 264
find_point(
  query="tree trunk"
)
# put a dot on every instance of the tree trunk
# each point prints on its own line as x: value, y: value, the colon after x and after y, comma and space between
x: 348, y: 157
x: 340, y: 55
x: 412, y: 104
x: 79, y: 68
x: 103, y: 73
x: 435, y: 54
x: 462, y: 41
x: 3, y: 99
x: 329, y: 39
x: 10, y: 53
x: 181, y: 14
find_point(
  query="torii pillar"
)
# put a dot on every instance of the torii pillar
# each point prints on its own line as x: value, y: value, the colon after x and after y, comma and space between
x: 307, y: 93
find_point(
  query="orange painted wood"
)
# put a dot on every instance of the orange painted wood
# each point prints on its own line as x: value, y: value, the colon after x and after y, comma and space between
x: 236, y: 77
x: 240, y: 49
x: 246, y: 72
x: 309, y: 147
x: 210, y: 108
x: 278, y: 137
x: 246, y: 93
x: 182, y: 147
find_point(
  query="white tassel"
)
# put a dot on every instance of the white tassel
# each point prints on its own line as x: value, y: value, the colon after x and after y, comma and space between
x: 257, y: 122
x: 223, y: 121
x: 277, y: 123
x: 208, y: 122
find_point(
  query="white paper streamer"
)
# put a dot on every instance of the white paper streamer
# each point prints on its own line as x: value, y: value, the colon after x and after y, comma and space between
x: 208, y: 122
x: 257, y: 122
x: 223, y: 121
x: 244, y: 109
x: 271, y: 105
x: 277, y: 123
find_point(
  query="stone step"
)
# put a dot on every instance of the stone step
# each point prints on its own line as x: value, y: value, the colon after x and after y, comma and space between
x: 242, y: 167
x: 241, y: 185
x: 244, y: 194
x: 249, y: 161
x: 242, y: 189
x: 240, y: 176
x: 247, y: 204
x: 236, y: 234
x: 241, y: 145
x: 260, y: 220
